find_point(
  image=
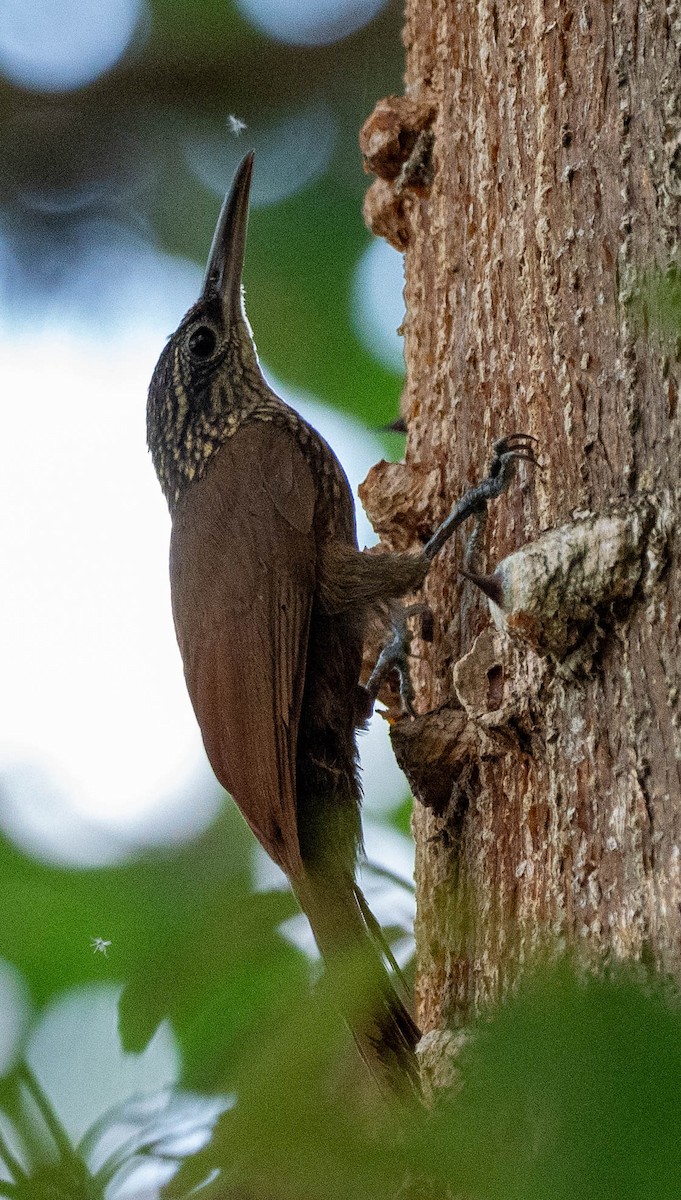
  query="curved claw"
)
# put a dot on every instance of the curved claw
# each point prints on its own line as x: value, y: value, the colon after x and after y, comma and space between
x: 526, y: 454
x: 394, y: 657
x: 507, y: 442
x: 474, y: 503
x: 509, y: 449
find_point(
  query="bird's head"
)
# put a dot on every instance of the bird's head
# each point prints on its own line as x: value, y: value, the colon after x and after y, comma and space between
x: 207, y: 378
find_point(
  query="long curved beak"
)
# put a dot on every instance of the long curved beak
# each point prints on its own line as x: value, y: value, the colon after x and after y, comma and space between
x: 226, y: 258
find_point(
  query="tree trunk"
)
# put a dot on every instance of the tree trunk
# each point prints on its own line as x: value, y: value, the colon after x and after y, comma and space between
x: 546, y: 769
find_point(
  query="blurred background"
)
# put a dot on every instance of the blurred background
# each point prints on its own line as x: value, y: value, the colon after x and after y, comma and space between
x: 121, y: 123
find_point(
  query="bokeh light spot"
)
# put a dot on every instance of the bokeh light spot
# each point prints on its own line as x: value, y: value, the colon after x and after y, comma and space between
x: 56, y: 45
x: 79, y: 1029
x: 378, y: 303
x: 290, y: 154
x: 309, y: 22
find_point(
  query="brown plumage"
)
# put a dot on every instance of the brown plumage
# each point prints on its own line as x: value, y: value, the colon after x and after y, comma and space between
x: 270, y: 598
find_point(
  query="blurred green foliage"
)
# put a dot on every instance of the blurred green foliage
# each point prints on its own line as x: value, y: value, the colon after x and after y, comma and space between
x: 195, y: 25
x: 570, y: 1092
x: 312, y: 345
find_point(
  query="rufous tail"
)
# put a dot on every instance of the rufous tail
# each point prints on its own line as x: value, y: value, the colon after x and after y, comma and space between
x: 355, y: 953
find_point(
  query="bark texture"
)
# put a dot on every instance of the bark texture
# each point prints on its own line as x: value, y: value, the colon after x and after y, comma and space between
x: 547, y: 761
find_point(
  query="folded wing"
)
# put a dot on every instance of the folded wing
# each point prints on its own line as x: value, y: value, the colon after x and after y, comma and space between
x: 243, y: 566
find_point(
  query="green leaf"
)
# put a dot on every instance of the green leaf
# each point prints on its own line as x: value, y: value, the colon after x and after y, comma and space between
x: 400, y: 817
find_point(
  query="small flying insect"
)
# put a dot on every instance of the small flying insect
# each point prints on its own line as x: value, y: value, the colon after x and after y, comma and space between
x: 99, y: 945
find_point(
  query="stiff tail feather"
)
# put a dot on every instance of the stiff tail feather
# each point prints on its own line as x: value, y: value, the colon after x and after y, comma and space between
x: 354, y: 952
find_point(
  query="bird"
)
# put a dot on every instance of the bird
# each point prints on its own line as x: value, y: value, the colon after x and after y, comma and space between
x: 271, y: 597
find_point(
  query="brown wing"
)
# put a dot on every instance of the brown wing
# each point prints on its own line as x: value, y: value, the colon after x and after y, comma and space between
x: 242, y: 565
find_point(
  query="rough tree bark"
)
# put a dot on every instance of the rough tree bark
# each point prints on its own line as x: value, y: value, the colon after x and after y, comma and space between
x: 533, y: 174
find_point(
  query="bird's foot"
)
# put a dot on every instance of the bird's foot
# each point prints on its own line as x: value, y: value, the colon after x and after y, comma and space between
x: 508, y: 452
x: 395, y: 657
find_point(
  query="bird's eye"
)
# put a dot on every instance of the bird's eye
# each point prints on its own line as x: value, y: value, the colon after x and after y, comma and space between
x: 202, y: 342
